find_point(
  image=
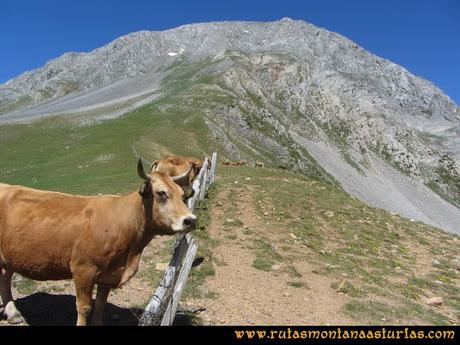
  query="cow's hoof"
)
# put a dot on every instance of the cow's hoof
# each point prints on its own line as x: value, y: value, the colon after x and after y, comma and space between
x: 13, y: 316
x: 15, y: 320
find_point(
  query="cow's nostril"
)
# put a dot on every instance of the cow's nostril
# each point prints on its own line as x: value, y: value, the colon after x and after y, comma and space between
x: 190, y: 221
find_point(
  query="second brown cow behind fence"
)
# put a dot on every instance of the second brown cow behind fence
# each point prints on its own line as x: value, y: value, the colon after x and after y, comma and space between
x: 184, y: 170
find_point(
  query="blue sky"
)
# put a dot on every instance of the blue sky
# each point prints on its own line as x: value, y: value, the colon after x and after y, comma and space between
x: 421, y: 35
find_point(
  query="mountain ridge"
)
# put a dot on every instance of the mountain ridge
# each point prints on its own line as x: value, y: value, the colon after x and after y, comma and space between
x: 198, y: 27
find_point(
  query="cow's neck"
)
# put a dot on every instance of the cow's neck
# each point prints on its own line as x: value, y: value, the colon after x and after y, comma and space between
x: 138, y: 220
x: 134, y: 218
x: 147, y: 225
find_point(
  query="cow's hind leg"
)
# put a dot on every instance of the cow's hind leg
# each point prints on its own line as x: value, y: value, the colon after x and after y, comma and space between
x: 84, y: 292
x: 5, y: 286
x: 13, y: 315
x: 101, y: 299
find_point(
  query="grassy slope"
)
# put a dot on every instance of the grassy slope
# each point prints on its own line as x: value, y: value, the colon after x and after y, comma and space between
x: 62, y: 155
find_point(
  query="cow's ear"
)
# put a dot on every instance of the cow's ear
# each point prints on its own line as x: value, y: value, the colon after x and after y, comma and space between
x: 146, y: 190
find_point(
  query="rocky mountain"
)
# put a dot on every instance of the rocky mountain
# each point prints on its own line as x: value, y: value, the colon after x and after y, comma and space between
x: 287, y: 93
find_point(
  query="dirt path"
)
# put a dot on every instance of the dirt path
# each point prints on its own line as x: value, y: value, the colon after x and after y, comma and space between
x: 246, y: 295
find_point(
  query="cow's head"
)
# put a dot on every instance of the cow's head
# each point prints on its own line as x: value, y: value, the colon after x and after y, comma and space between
x: 197, y: 165
x: 163, y: 198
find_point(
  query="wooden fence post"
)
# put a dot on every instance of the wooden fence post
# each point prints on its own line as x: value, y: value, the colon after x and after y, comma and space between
x: 212, y: 175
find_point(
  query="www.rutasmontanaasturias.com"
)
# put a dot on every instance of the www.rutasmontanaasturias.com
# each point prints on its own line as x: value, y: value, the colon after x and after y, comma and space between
x: 339, y: 333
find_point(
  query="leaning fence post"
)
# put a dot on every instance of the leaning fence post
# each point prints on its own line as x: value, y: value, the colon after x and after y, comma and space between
x: 204, y: 180
x: 213, y: 168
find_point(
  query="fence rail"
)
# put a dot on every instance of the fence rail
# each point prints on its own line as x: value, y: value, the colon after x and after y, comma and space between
x: 161, y: 309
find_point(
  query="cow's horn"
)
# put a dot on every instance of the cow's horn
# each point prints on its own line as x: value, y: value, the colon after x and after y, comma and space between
x: 140, y: 170
x: 154, y: 165
x: 185, y: 174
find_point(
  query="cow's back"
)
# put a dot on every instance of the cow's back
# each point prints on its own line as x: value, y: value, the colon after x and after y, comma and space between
x: 171, y: 168
x: 184, y: 160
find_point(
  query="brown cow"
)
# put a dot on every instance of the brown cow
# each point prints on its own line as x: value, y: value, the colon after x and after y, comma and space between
x: 241, y: 162
x: 179, y: 167
x: 90, y: 239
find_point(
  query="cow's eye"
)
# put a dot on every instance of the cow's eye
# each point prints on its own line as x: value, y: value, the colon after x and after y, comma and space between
x: 162, y: 195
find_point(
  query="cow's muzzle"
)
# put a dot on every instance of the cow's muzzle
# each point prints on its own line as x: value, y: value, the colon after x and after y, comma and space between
x: 190, y: 222
x: 186, y: 224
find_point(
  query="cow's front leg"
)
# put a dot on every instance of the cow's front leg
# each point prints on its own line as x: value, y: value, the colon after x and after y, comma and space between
x: 84, y: 292
x: 13, y: 315
x: 101, y: 299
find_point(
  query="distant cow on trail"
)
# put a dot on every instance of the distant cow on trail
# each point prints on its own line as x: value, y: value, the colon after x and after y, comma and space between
x: 91, y: 239
x: 241, y: 162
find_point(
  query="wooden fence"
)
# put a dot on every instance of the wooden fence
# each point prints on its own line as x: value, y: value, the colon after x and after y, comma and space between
x: 162, y: 307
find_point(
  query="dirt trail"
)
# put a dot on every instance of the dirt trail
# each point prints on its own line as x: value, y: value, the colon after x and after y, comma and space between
x: 247, y: 295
